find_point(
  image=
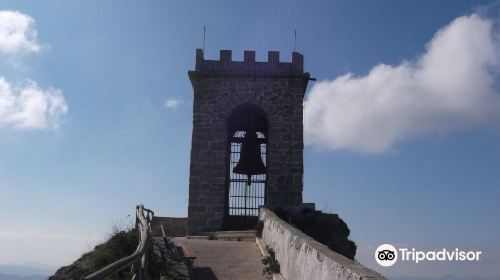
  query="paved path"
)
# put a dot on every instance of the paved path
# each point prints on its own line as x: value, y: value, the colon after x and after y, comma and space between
x: 224, y: 260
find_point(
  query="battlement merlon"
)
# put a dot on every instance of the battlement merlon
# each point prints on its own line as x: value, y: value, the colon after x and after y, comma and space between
x: 225, y: 66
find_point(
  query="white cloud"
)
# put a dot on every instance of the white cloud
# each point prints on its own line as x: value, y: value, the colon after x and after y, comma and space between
x: 17, y: 33
x: 450, y: 87
x: 172, y: 103
x: 27, y: 106
x: 30, y: 107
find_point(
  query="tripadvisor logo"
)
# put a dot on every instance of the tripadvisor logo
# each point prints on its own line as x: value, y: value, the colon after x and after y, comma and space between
x: 387, y: 255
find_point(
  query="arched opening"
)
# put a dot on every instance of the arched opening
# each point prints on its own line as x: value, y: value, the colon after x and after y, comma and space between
x: 247, y: 166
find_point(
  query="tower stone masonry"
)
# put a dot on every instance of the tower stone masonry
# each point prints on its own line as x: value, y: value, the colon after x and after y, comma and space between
x: 268, y: 96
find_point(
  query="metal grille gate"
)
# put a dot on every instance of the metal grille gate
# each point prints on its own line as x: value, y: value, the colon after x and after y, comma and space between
x: 244, y: 200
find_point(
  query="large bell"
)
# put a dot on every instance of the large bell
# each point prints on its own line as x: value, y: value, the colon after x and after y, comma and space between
x: 250, y: 162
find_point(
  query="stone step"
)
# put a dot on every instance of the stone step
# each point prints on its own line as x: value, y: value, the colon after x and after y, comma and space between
x: 223, y: 260
x: 240, y: 235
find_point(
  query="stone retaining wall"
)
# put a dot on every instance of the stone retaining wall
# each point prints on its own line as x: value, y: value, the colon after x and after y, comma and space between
x: 301, y: 257
x: 174, y: 227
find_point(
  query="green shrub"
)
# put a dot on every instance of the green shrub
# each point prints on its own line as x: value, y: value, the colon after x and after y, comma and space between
x: 119, y: 245
x: 271, y: 264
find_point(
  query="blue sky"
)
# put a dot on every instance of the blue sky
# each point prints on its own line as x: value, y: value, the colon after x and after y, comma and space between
x: 109, y: 69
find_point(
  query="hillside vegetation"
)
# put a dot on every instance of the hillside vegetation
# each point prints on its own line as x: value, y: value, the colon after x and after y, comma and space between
x: 328, y: 229
x: 119, y: 245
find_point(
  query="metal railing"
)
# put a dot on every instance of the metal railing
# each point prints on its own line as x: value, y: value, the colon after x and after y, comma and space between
x: 138, y: 260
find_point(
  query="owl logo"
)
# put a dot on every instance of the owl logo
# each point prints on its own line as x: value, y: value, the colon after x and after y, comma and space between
x: 386, y: 255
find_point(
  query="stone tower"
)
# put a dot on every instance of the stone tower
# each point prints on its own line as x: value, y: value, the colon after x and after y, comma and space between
x: 231, y: 99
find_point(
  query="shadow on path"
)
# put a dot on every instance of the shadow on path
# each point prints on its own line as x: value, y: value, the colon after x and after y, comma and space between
x: 203, y: 273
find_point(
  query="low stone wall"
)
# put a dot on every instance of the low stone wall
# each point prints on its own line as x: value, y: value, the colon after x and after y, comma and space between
x: 174, y: 227
x: 301, y: 257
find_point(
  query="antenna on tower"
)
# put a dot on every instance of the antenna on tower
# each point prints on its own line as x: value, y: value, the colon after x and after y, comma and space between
x: 294, y: 40
x: 204, y: 31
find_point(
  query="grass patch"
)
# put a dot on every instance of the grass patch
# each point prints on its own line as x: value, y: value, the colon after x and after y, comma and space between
x: 211, y: 236
x: 120, y: 245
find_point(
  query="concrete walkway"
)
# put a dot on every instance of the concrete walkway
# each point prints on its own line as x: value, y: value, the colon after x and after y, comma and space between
x: 224, y: 260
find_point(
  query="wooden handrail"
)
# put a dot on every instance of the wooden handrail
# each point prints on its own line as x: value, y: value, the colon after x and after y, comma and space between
x: 138, y: 259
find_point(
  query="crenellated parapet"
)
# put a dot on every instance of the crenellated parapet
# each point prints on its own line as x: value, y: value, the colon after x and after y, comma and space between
x: 249, y: 66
